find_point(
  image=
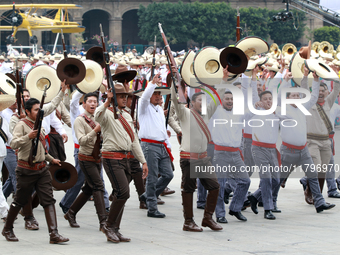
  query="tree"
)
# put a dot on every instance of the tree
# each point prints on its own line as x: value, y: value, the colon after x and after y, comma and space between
x: 330, y: 34
x: 287, y: 32
x: 256, y: 22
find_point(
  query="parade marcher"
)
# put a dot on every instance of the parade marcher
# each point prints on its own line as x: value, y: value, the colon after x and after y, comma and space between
x: 29, y: 177
x: 153, y: 135
x: 86, y: 131
x: 118, y: 144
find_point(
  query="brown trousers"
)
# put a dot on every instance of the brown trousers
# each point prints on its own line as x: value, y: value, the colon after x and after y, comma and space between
x: 27, y: 180
x: 119, y: 174
x: 209, y: 181
x: 91, y: 171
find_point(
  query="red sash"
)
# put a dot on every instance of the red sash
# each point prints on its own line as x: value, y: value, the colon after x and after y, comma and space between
x: 291, y: 146
x: 245, y: 135
x: 202, y: 124
x: 226, y: 148
x: 269, y: 145
x: 126, y: 125
x: 158, y: 142
x: 30, y: 124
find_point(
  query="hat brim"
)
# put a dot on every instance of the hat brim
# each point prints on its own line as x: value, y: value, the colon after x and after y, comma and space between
x: 124, y: 76
x: 164, y: 91
x: 207, y: 67
x: 64, y: 177
x: 322, y: 70
x: 187, y: 70
x: 72, y: 70
x: 93, y: 78
x: 6, y: 101
x: 252, y: 45
x: 40, y: 76
x: 96, y: 54
x: 235, y: 59
x: 296, y: 67
x: 8, y: 86
x: 12, y: 77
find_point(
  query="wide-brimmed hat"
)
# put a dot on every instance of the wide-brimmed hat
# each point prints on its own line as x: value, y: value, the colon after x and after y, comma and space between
x: 323, y: 70
x: 253, y: 63
x: 187, y: 71
x: 8, y: 86
x: 274, y: 68
x: 235, y: 59
x: 6, y: 101
x: 71, y: 69
x: 252, y: 45
x: 64, y: 176
x: 296, y: 67
x: 93, y: 78
x: 123, y: 74
x: 96, y: 54
x: 38, y: 77
x: 207, y: 67
x: 305, y: 51
x: 2, y: 57
x: 134, y: 62
x: 121, y: 89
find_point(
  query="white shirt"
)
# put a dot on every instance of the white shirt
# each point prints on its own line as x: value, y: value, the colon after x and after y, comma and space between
x: 25, y: 68
x: 268, y: 132
x: 52, y: 120
x: 5, y: 128
x: 5, y: 68
x: 151, y: 117
x: 75, y: 111
x: 297, y: 135
x: 335, y: 113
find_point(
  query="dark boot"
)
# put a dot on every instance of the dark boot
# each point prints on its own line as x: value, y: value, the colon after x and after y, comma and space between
x: 27, y: 211
x: 7, y: 232
x: 98, y: 197
x: 209, y: 210
x: 117, y: 226
x: 140, y: 188
x: 308, y: 195
x: 189, y: 223
x: 51, y: 219
x: 321, y: 181
x: 109, y: 226
x: 74, y: 209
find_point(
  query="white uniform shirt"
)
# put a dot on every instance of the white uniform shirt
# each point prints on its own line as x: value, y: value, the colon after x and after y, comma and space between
x: 5, y: 128
x: 75, y: 111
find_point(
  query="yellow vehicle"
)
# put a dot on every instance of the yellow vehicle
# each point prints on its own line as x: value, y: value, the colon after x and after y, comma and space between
x: 24, y: 17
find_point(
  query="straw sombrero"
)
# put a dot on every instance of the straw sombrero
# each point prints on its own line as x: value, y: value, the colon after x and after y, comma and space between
x: 7, y: 85
x: 6, y: 101
x: 252, y: 45
x: 38, y: 77
x: 187, y: 71
x: 296, y: 67
x: 93, y: 78
x: 322, y: 69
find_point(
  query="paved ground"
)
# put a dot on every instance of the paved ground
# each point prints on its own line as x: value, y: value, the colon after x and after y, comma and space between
x: 297, y: 230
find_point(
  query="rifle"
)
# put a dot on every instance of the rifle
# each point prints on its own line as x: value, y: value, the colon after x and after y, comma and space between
x: 153, y: 60
x: 37, y: 126
x: 63, y: 42
x: 19, y: 93
x: 134, y: 100
x: 177, y: 79
x: 110, y: 84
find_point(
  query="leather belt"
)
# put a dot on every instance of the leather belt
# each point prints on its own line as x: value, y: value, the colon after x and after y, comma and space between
x: 36, y: 166
x: 192, y: 155
x: 116, y: 155
x: 90, y: 158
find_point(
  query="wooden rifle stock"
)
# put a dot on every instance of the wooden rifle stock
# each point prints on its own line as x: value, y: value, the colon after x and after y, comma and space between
x: 110, y: 83
x: 19, y: 89
x: 134, y: 100
x: 64, y: 46
x: 37, y: 126
x: 96, y: 148
x: 177, y: 80
x: 153, y: 60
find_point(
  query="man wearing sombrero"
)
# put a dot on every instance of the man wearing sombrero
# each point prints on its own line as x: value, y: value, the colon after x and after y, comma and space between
x: 119, y: 143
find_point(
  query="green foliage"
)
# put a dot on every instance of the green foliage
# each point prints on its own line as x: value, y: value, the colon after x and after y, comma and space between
x: 214, y: 23
x: 330, y: 34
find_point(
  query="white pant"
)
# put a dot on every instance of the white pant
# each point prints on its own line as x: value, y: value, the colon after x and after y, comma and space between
x: 3, y: 204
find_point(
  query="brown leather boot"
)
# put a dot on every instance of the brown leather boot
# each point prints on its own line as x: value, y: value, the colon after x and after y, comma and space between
x: 209, y: 210
x: 189, y: 223
x: 7, y: 232
x: 321, y: 181
x: 308, y: 195
x: 74, y: 209
x: 98, y: 197
x: 27, y: 211
x: 117, y: 225
x: 140, y: 188
x: 51, y: 219
x: 109, y: 226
